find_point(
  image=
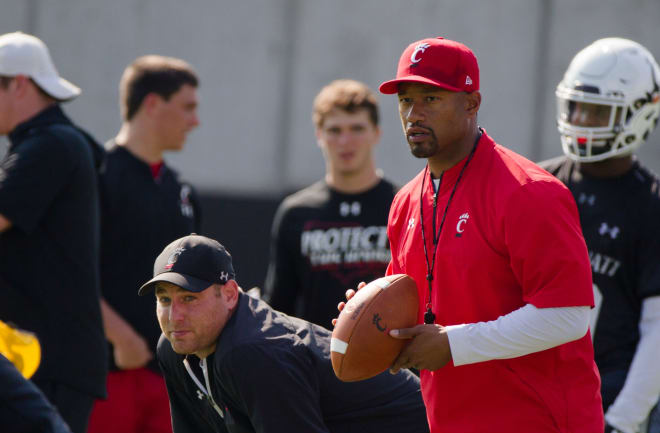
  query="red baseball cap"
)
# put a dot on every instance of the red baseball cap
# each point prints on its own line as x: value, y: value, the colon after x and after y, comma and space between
x: 439, y: 62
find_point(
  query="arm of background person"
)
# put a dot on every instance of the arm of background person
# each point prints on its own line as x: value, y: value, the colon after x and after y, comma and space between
x: 5, y: 224
x: 642, y: 386
x: 281, y: 285
x: 130, y: 348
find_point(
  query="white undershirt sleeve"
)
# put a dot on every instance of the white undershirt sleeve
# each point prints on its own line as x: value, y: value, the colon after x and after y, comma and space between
x: 521, y: 332
x: 642, y: 386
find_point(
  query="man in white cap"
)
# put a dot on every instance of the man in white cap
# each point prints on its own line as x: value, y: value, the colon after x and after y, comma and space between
x: 49, y: 228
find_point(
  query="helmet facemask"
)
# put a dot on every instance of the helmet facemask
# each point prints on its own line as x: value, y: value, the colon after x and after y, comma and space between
x: 607, y: 103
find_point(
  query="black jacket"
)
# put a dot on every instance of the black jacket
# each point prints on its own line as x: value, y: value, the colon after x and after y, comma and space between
x: 49, y: 271
x: 272, y: 373
x: 140, y: 215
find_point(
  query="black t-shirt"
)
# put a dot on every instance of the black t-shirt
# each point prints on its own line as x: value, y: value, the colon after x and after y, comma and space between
x: 140, y: 215
x: 620, y: 220
x: 49, y: 256
x: 324, y: 242
x: 272, y: 373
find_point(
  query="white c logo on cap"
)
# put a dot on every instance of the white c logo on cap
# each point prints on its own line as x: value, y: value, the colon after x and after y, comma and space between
x: 418, y: 48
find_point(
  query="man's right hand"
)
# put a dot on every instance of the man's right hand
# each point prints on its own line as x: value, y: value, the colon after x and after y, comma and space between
x: 131, y: 351
x: 130, y: 348
x: 349, y: 294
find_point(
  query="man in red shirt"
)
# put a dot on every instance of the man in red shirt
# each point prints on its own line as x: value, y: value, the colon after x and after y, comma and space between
x: 495, y: 246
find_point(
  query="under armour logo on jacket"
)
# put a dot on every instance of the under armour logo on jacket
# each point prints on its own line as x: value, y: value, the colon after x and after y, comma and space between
x: 590, y: 199
x: 605, y: 229
x: 346, y: 209
x: 411, y: 223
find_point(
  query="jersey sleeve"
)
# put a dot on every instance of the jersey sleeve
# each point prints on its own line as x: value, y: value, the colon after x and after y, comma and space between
x: 547, y: 251
x: 31, y: 179
x: 282, y: 282
x: 274, y: 387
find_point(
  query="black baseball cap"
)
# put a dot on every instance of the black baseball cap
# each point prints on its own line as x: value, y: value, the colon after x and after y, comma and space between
x: 193, y: 263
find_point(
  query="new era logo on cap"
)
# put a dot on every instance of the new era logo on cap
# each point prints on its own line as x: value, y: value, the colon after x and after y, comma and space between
x: 438, y: 62
x: 193, y: 263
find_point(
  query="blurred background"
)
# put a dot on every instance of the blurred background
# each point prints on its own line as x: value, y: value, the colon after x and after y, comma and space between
x: 261, y: 62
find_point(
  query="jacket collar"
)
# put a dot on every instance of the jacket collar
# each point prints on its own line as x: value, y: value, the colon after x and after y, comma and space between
x: 48, y: 116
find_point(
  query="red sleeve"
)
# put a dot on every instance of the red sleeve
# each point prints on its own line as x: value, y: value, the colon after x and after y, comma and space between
x: 547, y: 250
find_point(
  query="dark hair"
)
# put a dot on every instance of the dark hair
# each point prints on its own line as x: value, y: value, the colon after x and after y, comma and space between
x: 4, y: 81
x: 152, y: 74
x: 347, y: 95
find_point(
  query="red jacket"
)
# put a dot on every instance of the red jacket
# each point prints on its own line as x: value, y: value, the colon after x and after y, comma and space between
x: 511, y: 236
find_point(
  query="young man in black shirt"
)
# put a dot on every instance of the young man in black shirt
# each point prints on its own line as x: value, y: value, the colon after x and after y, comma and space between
x: 234, y: 364
x: 49, y: 228
x: 607, y: 107
x: 144, y: 206
x: 333, y: 234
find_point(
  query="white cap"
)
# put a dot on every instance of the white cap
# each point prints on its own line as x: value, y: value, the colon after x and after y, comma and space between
x: 23, y: 54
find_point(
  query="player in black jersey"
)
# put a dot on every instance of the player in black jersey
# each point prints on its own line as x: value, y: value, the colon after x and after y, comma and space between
x: 144, y: 205
x: 608, y: 104
x: 332, y: 235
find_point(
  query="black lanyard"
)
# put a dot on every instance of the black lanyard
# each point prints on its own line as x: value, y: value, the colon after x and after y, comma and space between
x: 429, y: 317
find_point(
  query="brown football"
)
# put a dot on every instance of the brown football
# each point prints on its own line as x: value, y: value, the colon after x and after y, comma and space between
x: 361, y: 346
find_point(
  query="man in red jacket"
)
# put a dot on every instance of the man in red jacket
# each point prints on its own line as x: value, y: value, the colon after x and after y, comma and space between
x: 495, y: 246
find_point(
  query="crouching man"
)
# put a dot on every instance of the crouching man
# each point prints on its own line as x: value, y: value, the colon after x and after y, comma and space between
x: 233, y: 364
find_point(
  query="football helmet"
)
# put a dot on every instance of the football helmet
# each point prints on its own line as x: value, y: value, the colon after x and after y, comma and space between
x: 608, y: 101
